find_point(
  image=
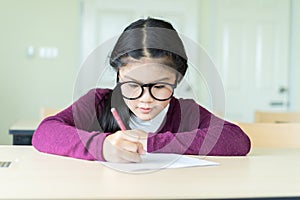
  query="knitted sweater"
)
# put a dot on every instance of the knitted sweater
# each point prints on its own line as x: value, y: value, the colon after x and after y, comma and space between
x: 188, y: 128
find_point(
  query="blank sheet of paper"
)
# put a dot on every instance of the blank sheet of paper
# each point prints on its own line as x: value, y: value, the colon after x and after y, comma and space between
x: 157, y: 161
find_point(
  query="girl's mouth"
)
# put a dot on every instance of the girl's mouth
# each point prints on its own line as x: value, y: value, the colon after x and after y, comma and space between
x: 145, y: 110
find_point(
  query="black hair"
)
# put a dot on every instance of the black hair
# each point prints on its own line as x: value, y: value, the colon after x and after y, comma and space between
x: 153, y: 38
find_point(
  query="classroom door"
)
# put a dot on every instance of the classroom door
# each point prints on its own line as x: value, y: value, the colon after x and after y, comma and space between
x: 250, y: 46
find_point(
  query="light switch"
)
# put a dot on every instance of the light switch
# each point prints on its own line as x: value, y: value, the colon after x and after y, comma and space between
x: 48, y: 52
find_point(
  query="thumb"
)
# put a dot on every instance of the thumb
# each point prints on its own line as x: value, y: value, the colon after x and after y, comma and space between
x: 141, y: 149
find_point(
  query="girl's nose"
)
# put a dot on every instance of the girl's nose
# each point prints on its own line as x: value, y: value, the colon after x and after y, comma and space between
x: 146, y: 96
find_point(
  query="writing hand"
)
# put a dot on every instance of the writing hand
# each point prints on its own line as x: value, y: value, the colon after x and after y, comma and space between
x: 125, y: 146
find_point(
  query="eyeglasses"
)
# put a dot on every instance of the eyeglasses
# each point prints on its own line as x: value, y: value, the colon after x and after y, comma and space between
x: 160, y: 91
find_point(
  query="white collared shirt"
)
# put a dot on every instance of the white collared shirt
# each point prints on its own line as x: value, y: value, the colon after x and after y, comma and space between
x: 151, y: 125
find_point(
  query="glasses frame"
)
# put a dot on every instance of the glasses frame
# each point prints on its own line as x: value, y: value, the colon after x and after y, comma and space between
x: 149, y: 85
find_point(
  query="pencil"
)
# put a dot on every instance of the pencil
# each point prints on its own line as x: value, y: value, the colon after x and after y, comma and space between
x: 118, y: 119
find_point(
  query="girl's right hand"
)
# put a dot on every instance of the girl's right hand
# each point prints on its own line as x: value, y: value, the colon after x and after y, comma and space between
x: 124, y: 146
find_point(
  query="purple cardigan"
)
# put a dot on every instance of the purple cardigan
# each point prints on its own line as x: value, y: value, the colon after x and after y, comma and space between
x: 188, y: 129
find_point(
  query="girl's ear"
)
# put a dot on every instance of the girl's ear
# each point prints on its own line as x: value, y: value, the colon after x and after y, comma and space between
x: 178, y: 77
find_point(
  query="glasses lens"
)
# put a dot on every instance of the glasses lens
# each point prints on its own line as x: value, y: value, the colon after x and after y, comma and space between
x: 162, y: 91
x: 131, y: 90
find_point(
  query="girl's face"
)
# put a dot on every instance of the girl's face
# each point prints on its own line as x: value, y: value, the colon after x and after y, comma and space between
x: 145, y: 71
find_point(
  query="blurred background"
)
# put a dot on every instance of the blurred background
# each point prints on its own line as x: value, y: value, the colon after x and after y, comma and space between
x: 254, y: 44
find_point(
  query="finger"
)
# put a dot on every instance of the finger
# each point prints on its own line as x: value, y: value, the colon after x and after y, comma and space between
x: 130, y: 156
x: 135, y: 147
x: 130, y: 136
x: 142, y: 135
x: 141, y: 149
x: 134, y: 135
x: 128, y: 146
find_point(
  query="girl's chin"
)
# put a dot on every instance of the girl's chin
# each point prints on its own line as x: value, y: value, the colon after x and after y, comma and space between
x: 144, y: 117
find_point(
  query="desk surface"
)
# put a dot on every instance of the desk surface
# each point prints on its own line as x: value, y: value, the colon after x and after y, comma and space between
x: 34, y: 175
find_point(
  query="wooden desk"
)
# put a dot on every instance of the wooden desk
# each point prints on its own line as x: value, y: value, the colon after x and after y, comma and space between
x: 34, y: 175
x: 22, y: 132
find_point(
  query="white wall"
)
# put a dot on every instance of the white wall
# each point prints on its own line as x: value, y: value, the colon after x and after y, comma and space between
x: 29, y: 83
x: 296, y: 57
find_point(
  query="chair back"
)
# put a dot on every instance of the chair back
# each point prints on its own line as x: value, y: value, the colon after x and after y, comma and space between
x: 46, y: 112
x: 273, y: 135
x: 277, y: 117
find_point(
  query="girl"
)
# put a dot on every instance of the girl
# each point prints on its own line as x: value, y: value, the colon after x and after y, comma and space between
x: 150, y: 61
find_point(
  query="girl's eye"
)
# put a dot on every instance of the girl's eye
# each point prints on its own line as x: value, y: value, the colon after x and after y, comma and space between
x: 132, y: 85
x: 159, y: 86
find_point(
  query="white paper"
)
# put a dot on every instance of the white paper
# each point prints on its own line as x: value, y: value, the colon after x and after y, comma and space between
x: 158, y: 161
